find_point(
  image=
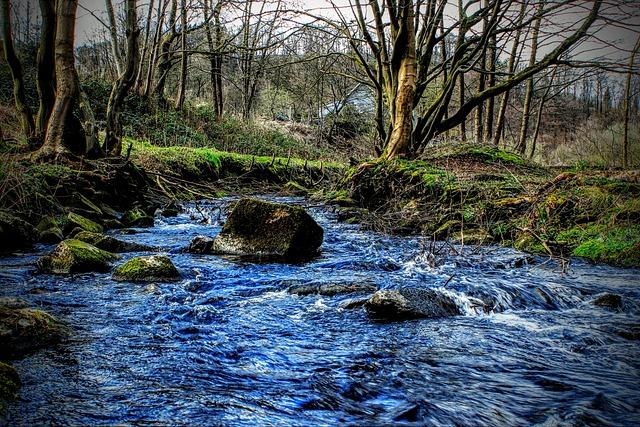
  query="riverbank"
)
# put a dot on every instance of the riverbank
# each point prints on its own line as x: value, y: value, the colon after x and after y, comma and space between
x: 481, y: 195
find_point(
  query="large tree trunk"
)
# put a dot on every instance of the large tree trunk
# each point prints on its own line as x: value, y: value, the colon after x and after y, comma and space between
x: 399, y: 140
x: 153, y: 55
x: 627, y: 109
x: 528, y: 97
x: 113, y: 137
x: 488, y: 121
x: 62, y: 137
x: 46, y: 66
x: 19, y: 98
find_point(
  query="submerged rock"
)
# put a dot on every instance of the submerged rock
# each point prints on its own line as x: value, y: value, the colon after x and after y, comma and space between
x: 609, y: 301
x: 78, y: 221
x: 15, y: 233
x: 75, y: 256
x: 24, y: 330
x: 9, y: 384
x: 147, y: 269
x: 410, y: 303
x: 110, y: 244
x: 332, y: 289
x: 200, y: 245
x: 137, y: 218
x: 271, y: 230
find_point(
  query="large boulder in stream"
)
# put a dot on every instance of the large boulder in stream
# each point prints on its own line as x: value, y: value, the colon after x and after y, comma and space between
x: 75, y: 256
x: 24, y: 330
x: 15, y: 233
x: 110, y: 244
x: 137, y: 217
x: 410, y: 303
x: 155, y: 268
x: 332, y: 289
x: 256, y: 228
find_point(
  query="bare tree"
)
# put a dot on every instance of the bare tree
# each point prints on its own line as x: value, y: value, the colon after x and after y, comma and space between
x: 627, y: 102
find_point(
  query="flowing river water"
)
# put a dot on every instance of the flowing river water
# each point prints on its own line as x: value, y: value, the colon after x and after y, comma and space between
x: 228, y: 345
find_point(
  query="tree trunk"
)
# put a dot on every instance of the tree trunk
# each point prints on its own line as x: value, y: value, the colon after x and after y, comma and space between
x: 113, y: 137
x: 145, y: 47
x: 67, y: 87
x: 511, y: 67
x: 482, y: 78
x: 153, y: 56
x: 215, y: 58
x: 536, y: 132
x: 46, y: 66
x: 399, y: 142
x: 164, y: 60
x: 528, y: 97
x: 627, y: 109
x: 488, y: 122
x: 182, y: 87
x: 19, y: 97
x: 115, y: 49
x: 463, y: 123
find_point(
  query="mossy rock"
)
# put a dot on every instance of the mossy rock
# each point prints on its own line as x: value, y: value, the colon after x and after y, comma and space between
x: 256, y: 228
x: 137, y: 218
x: 110, y: 244
x: 52, y: 235
x: 76, y: 256
x: 15, y: 233
x: 9, y: 384
x: 113, y: 224
x: 200, y: 245
x: 410, y: 303
x: 25, y: 330
x: 147, y: 269
x: 171, y: 210
x: 75, y: 220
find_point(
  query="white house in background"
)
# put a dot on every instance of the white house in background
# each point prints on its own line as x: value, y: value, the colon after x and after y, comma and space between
x: 360, y: 97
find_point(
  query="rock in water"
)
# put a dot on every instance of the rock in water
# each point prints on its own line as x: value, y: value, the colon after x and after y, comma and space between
x: 75, y: 256
x: 256, y: 228
x: 110, y: 244
x: 147, y: 269
x: 15, y: 233
x: 410, y: 303
x: 74, y: 221
x: 24, y: 330
x: 609, y: 301
x: 137, y: 218
x: 332, y: 289
x: 200, y: 245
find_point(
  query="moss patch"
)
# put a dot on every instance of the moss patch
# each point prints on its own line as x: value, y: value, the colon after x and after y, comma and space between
x: 75, y: 220
x: 147, y: 269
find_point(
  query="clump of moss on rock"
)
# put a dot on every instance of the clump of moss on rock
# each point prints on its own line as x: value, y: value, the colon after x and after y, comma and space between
x: 147, y: 269
x: 110, y: 244
x: 256, y: 228
x: 49, y: 230
x: 78, y: 221
x: 24, y: 330
x: 75, y: 256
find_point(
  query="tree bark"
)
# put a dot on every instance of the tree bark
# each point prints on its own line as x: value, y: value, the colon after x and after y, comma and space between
x: 164, y: 60
x: 488, y: 121
x: 145, y: 47
x: 215, y: 58
x: 19, y: 97
x: 536, y: 132
x: 402, y: 104
x: 113, y: 137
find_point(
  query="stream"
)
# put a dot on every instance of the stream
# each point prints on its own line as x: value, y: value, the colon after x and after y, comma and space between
x: 228, y: 345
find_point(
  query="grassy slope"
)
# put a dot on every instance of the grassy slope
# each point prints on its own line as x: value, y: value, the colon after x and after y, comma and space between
x: 487, y: 195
